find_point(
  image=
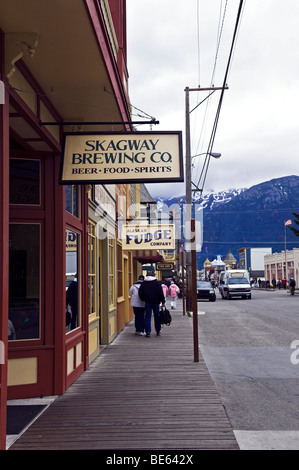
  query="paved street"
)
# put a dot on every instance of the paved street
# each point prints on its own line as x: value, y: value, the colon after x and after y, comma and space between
x: 247, y: 347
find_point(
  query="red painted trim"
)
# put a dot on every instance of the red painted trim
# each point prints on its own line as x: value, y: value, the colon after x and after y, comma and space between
x: 41, y: 95
x: 59, y: 285
x: 33, y: 120
x: 42, y: 348
x: 49, y: 184
x: 85, y: 312
x: 99, y: 27
x: 4, y: 243
x: 72, y: 339
x: 44, y: 385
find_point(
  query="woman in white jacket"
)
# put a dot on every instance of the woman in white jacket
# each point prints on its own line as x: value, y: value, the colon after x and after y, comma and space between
x: 138, y: 306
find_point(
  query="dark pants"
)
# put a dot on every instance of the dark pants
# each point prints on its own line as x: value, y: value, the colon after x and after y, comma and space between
x: 149, y: 308
x: 139, y: 319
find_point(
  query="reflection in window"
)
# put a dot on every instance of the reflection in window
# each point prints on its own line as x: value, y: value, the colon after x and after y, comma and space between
x: 24, y: 281
x: 72, y: 249
x: 24, y: 179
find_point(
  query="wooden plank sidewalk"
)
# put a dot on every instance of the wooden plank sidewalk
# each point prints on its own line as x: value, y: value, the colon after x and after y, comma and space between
x: 140, y: 393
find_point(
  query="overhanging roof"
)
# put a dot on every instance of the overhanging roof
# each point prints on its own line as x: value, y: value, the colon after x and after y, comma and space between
x: 148, y: 256
x: 70, y: 55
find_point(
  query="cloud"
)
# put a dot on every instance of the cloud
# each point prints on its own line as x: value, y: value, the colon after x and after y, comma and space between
x: 257, y: 132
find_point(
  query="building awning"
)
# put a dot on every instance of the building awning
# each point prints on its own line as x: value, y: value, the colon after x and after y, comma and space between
x: 257, y: 273
x: 148, y: 256
x: 84, y: 84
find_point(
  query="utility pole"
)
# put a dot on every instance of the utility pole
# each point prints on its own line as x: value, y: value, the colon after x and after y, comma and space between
x: 188, y: 207
x: 190, y: 235
x: 191, y: 291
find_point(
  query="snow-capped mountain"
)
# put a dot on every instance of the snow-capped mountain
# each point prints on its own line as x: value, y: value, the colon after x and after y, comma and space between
x: 246, y: 218
x: 209, y: 200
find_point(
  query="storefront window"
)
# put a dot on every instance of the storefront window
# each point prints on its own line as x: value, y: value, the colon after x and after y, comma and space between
x: 92, y: 290
x: 120, y: 288
x: 24, y: 281
x: 112, y: 299
x: 72, y: 205
x: 24, y: 179
x: 72, y: 250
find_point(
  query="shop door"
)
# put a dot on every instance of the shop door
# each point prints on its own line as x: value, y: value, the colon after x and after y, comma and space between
x: 30, y: 360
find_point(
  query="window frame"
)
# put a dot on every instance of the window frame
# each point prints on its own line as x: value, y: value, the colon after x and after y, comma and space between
x: 111, y: 275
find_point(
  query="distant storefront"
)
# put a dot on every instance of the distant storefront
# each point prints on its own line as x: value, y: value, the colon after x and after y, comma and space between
x: 252, y: 259
x: 282, y: 265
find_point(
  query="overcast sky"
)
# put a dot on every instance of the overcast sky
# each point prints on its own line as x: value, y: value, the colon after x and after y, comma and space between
x: 172, y: 45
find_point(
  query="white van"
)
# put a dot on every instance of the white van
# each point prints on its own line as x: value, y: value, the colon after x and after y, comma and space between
x: 235, y: 283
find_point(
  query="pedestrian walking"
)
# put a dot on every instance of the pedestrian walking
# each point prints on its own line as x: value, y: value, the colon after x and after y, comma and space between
x: 151, y: 293
x: 138, y: 306
x: 292, y: 285
x: 165, y: 289
x: 173, y: 292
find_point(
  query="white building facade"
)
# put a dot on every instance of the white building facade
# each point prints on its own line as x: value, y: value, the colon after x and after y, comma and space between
x: 282, y: 265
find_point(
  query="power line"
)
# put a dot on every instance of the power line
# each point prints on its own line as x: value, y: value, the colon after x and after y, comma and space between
x: 211, y: 143
x: 198, y: 42
x: 219, y: 37
x: 220, y: 30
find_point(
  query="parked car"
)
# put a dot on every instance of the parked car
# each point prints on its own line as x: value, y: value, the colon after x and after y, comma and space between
x: 205, y: 291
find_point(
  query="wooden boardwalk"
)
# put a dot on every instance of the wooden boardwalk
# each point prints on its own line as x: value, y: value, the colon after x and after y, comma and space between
x: 140, y: 393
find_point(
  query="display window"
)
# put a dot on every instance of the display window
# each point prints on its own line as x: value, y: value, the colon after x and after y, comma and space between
x: 111, y: 284
x: 72, y: 279
x: 24, y: 188
x: 72, y: 200
x: 24, y: 281
x: 120, y: 271
x: 92, y: 270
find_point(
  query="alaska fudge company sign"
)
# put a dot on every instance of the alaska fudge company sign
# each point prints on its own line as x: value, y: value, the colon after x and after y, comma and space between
x: 148, y: 237
x: 129, y: 157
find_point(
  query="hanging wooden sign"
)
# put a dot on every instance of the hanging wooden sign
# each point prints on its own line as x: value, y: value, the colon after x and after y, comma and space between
x: 129, y: 157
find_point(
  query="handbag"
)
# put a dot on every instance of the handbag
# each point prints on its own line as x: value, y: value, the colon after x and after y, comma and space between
x: 164, y: 316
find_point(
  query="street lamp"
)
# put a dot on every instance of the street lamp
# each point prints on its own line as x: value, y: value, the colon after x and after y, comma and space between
x: 211, y: 154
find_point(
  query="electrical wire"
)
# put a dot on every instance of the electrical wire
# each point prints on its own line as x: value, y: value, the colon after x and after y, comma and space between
x: 212, y: 138
x: 219, y: 37
x: 198, y: 41
x: 144, y: 115
x: 220, y: 31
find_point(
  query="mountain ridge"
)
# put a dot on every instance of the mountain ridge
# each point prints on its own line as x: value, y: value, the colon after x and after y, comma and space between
x: 247, y: 218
